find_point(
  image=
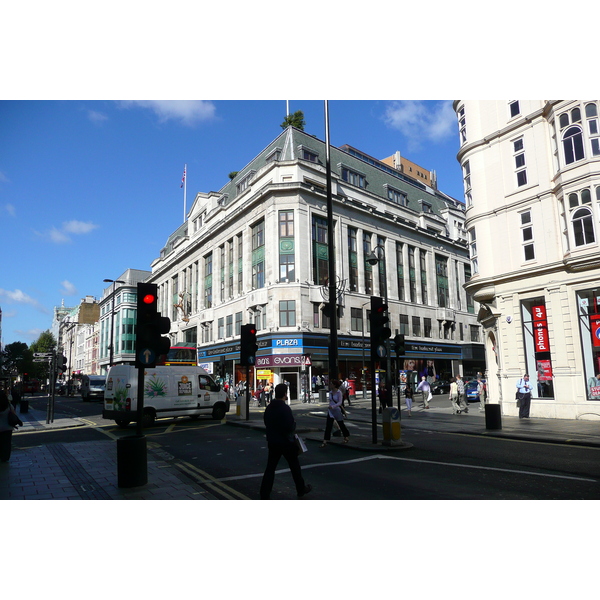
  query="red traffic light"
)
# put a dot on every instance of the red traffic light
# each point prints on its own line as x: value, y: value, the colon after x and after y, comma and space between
x: 148, y: 298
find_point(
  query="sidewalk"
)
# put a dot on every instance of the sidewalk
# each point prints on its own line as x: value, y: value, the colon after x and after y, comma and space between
x: 88, y: 470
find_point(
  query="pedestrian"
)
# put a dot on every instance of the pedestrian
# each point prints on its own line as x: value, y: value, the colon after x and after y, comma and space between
x: 524, y: 388
x: 334, y: 413
x: 408, y: 397
x: 462, y: 398
x: 267, y: 392
x: 481, y: 393
x: 425, y: 389
x: 280, y: 426
x: 16, y: 395
x: 6, y: 428
x: 454, y: 397
x: 345, y: 389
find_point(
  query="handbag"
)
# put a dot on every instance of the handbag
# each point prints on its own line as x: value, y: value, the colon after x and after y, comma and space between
x: 300, y: 444
x: 13, y: 420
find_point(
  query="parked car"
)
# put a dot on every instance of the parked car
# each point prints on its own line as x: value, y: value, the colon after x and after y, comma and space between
x: 440, y: 387
x: 471, y: 390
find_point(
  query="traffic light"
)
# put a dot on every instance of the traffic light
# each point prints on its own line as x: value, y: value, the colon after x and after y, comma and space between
x: 380, y: 332
x: 329, y: 310
x: 149, y: 343
x: 61, y: 363
x: 248, y: 345
x: 399, y: 344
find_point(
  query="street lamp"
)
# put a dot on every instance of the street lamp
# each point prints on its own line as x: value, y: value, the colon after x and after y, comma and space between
x: 112, y: 319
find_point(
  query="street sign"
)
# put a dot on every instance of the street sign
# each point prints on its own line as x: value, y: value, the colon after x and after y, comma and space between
x: 43, y: 354
x: 42, y: 359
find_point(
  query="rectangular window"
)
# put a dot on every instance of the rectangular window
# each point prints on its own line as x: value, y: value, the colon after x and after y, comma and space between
x: 474, y: 329
x: 404, y: 325
x: 527, y: 236
x: 520, y: 167
x: 426, y: 327
x: 258, y: 255
x: 513, y: 106
x: 208, y: 281
x: 287, y: 254
x: 353, y: 259
x: 238, y: 323
x: 470, y: 304
x: 400, y: 266
x: 221, y: 328
x: 416, y: 326
x: 229, y: 325
x: 396, y: 196
x: 381, y: 267
x: 412, y: 275
x: 353, y: 177
x: 467, y: 183
x: 441, y: 272
x: 240, y: 246
x: 320, y: 251
x: 462, y: 125
x: 367, y: 267
x: 287, y: 313
x: 356, y: 319
x: 473, y: 249
x: 423, y: 265
x: 310, y: 156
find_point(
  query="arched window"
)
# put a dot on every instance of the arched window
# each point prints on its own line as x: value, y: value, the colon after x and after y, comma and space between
x: 573, y: 145
x: 583, y: 227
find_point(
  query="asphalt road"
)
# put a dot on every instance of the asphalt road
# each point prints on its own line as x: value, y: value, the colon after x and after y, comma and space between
x: 440, y: 466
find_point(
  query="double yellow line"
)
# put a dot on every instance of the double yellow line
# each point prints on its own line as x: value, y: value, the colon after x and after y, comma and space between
x: 208, y: 481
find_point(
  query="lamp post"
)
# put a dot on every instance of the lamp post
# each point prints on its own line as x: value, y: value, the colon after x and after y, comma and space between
x: 377, y: 255
x: 112, y: 319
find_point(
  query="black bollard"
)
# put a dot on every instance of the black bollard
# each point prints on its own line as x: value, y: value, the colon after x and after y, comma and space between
x: 493, y: 416
x: 132, y: 461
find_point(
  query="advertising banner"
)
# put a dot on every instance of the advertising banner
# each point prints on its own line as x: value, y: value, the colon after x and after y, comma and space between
x: 595, y: 330
x: 540, y: 329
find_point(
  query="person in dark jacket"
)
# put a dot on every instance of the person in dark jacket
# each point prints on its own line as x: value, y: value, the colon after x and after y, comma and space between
x: 280, y: 424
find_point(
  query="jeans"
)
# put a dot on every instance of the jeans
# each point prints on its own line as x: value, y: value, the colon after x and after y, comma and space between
x: 290, y: 453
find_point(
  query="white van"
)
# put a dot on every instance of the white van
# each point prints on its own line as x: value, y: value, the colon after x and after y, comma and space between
x: 168, y: 392
x: 92, y: 386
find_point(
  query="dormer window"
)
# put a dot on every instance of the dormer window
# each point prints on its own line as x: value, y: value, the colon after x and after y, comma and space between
x: 245, y: 182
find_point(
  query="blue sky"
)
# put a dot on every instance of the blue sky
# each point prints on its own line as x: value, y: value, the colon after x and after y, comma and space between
x: 91, y: 188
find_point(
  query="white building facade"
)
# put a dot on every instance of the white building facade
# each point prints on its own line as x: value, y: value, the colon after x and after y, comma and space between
x: 532, y: 186
x: 256, y: 252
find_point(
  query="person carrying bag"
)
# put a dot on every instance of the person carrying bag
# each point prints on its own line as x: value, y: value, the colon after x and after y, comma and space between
x: 334, y: 413
x: 524, y: 389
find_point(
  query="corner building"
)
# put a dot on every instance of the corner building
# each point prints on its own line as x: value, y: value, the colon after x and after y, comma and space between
x: 256, y: 252
x: 531, y: 170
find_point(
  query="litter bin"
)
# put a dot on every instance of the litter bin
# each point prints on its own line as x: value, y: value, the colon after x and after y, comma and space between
x: 493, y: 416
x: 392, y: 432
x: 323, y: 396
x: 132, y: 461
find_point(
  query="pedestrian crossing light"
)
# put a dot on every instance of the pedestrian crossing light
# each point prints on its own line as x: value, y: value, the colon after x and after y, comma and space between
x: 149, y: 341
x: 248, y: 345
x: 399, y: 346
x: 380, y: 331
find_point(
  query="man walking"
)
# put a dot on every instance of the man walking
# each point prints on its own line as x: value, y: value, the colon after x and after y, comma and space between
x: 425, y: 389
x: 280, y: 424
x: 462, y: 398
x: 524, y: 389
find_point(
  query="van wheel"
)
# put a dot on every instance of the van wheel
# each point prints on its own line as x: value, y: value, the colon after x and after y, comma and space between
x: 148, y: 418
x: 122, y: 422
x: 218, y: 412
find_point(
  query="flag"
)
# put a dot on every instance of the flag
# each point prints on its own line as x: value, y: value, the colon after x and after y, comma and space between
x: 182, y: 179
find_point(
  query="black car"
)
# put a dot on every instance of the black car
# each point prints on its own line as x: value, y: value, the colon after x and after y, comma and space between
x: 440, y: 387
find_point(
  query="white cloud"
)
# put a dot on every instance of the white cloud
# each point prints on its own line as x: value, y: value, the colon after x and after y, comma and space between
x: 10, y: 209
x: 19, y: 297
x: 422, y: 122
x: 79, y: 227
x: 30, y: 334
x: 63, y: 235
x: 3, y: 178
x: 189, y: 112
x: 96, y: 117
x: 68, y: 289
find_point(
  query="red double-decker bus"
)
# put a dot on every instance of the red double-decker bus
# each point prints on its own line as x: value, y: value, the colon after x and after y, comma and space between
x: 182, y: 354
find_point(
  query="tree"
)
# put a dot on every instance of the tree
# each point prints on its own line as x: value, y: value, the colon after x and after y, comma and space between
x: 46, y: 342
x: 296, y: 120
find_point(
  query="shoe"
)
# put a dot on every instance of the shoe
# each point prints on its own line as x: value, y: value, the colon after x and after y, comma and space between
x: 306, y: 490
x: 466, y: 410
x: 323, y: 445
x: 346, y: 440
x: 427, y: 407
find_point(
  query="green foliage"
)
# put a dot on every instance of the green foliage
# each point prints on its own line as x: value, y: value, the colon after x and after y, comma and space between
x: 233, y: 174
x: 296, y: 120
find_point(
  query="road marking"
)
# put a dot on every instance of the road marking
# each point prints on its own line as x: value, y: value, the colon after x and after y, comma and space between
x: 415, y: 460
x: 210, y: 481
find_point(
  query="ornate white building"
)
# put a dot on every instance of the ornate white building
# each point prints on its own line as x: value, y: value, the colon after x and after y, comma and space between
x: 532, y: 184
x: 256, y: 252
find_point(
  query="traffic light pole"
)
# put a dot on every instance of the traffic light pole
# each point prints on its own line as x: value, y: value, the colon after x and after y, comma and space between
x: 247, y: 393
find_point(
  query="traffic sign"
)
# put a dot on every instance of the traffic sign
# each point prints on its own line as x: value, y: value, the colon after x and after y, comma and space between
x: 43, y: 354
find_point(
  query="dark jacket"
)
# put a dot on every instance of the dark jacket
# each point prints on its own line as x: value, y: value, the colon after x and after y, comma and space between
x: 280, y: 424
